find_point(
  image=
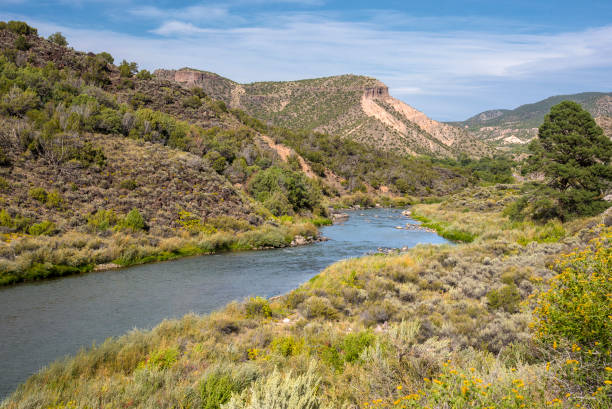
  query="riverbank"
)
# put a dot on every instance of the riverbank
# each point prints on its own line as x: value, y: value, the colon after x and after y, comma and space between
x: 437, y: 324
x: 93, y: 307
x: 36, y: 258
x: 27, y: 258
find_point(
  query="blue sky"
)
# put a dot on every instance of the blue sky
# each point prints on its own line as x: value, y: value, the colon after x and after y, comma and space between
x: 450, y: 59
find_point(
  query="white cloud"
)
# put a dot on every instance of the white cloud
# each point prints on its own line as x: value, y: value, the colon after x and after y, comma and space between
x: 193, y: 13
x: 417, y: 65
x: 174, y: 27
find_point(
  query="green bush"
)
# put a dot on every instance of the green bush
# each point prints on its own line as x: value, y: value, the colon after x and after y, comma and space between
x: 353, y: 344
x: 58, y: 39
x: 316, y: 306
x: 20, y: 27
x: 192, y: 101
x: 139, y: 100
x: 133, y: 220
x: 257, y: 307
x: 577, y: 306
x: 21, y: 43
x: 17, y: 102
x: 287, y: 346
x: 216, y: 389
x: 54, y: 199
x: 506, y: 298
x: 102, y: 219
x: 4, y: 185
x: 127, y: 69
x: 163, y: 358
x: 144, y: 75
x: 4, y: 159
x: 46, y: 228
x: 129, y: 184
x: 39, y: 194
x: 106, y: 57
x: 299, y: 192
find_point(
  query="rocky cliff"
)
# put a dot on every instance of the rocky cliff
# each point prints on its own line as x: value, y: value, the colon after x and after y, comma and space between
x: 350, y: 106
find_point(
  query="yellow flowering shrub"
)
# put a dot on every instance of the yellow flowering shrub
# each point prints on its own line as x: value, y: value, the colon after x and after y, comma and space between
x: 577, y: 306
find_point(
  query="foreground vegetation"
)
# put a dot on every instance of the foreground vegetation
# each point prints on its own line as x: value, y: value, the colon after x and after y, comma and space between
x: 492, y: 323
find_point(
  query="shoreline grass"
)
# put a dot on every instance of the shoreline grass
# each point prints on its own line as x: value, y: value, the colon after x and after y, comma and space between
x: 77, y: 252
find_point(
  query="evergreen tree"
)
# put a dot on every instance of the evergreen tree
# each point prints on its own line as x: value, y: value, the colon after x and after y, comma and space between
x: 58, y: 39
x: 574, y: 155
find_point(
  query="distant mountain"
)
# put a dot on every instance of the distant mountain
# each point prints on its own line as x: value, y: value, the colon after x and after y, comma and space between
x: 518, y: 126
x: 350, y: 106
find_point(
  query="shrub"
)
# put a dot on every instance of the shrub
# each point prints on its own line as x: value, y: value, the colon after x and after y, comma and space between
x: 21, y: 43
x: 316, y: 306
x: 133, y: 220
x: 139, y: 99
x: 353, y: 344
x: 102, y: 219
x: 278, y: 204
x: 58, y: 39
x: 18, y: 102
x: 192, y: 101
x: 299, y: 192
x: 577, y: 306
x: 4, y: 185
x: 46, y: 228
x: 506, y: 298
x: 20, y: 27
x: 287, y: 346
x: 106, y: 57
x: 162, y: 359
x: 144, y: 75
x: 129, y: 184
x: 216, y: 389
x: 5, y: 219
x: 54, y: 199
x: 4, y: 159
x: 39, y: 194
x: 257, y: 307
x: 127, y: 69
x: 280, y: 391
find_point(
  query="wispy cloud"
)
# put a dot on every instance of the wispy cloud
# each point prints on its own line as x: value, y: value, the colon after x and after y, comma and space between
x: 425, y: 67
x: 192, y: 13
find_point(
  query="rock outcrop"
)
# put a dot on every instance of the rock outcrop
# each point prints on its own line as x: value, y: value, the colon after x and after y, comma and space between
x: 349, y: 106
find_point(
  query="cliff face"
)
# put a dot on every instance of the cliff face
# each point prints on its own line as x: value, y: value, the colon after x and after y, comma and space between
x: 350, y: 106
x: 212, y: 84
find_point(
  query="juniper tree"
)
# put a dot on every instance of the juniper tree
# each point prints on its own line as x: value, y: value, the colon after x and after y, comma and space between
x: 573, y: 154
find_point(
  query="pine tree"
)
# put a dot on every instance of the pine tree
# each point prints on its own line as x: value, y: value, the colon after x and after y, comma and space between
x: 574, y: 155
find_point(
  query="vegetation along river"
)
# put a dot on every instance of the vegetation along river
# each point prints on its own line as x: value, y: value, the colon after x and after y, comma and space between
x: 44, y: 321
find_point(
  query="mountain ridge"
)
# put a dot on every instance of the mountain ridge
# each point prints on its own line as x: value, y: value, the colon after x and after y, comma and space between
x: 520, y: 125
x: 350, y: 106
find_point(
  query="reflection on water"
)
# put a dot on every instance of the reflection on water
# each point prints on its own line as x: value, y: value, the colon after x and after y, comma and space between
x: 42, y: 322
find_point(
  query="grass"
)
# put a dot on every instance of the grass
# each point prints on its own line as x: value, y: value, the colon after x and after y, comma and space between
x: 444, y: 230
x: 412, y: 330
x: 77, y: 253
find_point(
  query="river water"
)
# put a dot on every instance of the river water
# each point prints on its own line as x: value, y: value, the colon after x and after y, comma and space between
x: 44, y: 321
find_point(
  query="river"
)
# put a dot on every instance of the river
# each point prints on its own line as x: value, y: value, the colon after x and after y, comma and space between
x: 42, y: 322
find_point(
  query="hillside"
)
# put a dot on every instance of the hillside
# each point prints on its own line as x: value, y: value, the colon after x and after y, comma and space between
x: 349, y: 106
x: 518, y: 126
x: 104, y: 165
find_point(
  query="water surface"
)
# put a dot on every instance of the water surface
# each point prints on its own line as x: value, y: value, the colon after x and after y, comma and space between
x: 42, y: 322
